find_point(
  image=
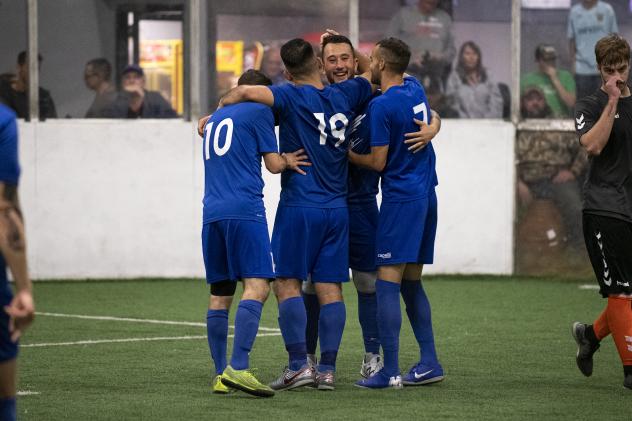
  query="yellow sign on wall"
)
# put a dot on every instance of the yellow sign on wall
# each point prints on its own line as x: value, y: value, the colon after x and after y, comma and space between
x: 230, y: 56
x: 162, y: 62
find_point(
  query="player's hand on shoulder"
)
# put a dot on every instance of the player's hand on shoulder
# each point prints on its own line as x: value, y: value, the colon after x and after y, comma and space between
x: 201, y: 124
x: 21, y: 311
x: 295, y: 160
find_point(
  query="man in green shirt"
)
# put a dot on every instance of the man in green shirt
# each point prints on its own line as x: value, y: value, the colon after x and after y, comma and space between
x: 557, y: 85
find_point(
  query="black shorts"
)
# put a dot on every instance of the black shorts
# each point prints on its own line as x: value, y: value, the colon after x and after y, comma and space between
x: 609, y: 244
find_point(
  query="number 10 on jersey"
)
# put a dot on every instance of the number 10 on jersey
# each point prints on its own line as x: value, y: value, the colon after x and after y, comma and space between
x: 219, y: 151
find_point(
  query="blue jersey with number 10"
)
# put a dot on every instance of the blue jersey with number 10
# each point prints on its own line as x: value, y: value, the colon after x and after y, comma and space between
x: 406, y: 176
x: 235, y: 137
x: 316, y: 120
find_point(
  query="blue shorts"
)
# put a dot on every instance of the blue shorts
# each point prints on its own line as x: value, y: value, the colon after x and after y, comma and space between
x: 8, y: 349
x: 406, y: 232
x: 311, y: 240
x: 234, y: 249
x: 363, y: 220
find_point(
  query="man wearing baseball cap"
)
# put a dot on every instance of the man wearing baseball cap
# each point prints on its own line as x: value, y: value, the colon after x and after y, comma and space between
x: 557, y: 85
x: 134, y: 101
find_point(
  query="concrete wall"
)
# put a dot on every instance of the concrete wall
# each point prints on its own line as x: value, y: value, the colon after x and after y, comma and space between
x: 123, y: 199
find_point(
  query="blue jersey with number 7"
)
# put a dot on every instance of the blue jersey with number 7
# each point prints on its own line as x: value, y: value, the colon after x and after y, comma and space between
x: 406, y: 176
x: 316, y: 120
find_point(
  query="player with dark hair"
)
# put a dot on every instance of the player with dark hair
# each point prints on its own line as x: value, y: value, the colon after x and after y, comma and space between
x: 15, y: 93
x: 310, y: 233
x: 16, y: 312
x: 235, y: 241
x: 604, y: 124
x: 339, y: 64
x: 408, y: 215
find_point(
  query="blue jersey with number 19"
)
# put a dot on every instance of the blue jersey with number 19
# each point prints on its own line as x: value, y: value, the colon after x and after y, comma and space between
x: 406, y: 176
x: 235, y: 137
x: 316, y: 120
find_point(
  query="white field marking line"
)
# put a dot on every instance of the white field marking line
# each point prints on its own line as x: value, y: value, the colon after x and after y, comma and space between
x: 588, y: 286
x: 124, y: 340
x: 129, y: 319
x: 27, y: 393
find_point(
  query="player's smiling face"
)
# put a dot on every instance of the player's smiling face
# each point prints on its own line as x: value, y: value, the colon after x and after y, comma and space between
x: 339, y: 62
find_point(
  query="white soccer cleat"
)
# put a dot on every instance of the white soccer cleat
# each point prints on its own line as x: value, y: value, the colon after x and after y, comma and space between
x: 371, y: 364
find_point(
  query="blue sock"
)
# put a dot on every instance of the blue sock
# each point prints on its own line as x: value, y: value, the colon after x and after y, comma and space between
x: 367, y: 313
x: 418, y: 310
x: 292, y: 321
x: 312, y: 308
x: 331, y: 325
x: 217, y: 335
x: 246, y: 327
x: 7, y: 409
x: 389, y: 321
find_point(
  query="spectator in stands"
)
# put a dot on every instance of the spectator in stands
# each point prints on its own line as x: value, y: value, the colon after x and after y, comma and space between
x: 134, y: 101
x: 588, y: 21
x: 558, y: 85
x: 97, y: 76
x: 549, y: 166
x: 14, y: 93
x: 272, y: 65
x: 428, y: 32
x: 470, y: 89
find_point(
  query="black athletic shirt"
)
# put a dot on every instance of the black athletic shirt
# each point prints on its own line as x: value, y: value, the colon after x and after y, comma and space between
x: 608, y: 187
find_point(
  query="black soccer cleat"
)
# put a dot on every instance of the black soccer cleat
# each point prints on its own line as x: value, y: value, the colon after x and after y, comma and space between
x: 585, y: 348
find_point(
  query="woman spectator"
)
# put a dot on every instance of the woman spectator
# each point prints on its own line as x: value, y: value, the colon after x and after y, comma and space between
x: 473, y: 95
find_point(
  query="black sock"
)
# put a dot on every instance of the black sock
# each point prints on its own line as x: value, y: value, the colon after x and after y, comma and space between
x: 590, y: 334
x: 627, y: 370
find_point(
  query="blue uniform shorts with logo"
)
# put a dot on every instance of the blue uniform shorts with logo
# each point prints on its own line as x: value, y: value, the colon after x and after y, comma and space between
x: 311, y: 240
x: 234, y: 249
x: 406, y: 232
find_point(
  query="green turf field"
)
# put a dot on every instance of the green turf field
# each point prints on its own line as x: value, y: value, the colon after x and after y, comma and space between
x: 504, y: 343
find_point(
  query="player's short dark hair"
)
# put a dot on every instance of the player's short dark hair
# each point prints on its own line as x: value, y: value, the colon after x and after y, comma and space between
x: 22, y: 58
x: 254, y: 77
x: 335, y: 39
x: 611, y: 50
x: 101, y: 66
x: 395, y: 53
x: 298, y: 56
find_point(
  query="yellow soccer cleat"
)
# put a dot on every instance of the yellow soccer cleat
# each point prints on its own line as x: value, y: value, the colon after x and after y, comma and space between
x: 245, y: 381
x: 219, y: 387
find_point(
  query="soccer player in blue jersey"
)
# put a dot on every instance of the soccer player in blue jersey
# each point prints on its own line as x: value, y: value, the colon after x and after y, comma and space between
x: 16, y: 312
x: 339, y: 64
x: 408, y: 215
x: 235, y: 239
x: 311, y: 229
